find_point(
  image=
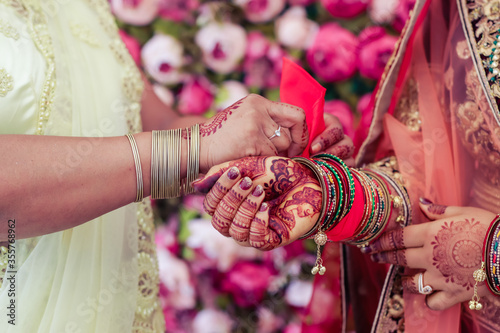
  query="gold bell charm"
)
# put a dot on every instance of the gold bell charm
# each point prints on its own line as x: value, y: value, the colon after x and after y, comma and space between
x: 479, y: 275
x: 320, y: 239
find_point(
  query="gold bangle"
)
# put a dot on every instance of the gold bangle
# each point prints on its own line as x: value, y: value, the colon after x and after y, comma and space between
x: 138, y: 168
x: 193, y: 158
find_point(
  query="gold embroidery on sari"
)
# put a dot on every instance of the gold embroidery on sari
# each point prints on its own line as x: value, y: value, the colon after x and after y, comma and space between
x: 8, y: 30
x: 476, y: 134
x: 6, y: 82
x: 148, y: 316
x: 37, y: 27
x: 407, y: 110
x: 484, y: 16
x: 82, y: 32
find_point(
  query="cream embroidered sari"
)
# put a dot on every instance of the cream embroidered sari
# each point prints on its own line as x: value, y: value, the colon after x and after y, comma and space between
x: 64, y: 71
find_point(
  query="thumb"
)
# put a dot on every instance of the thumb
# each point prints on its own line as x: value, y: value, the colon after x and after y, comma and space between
x: 440, y: 301
x: 293, y: 118
x: 205, y: 183
x: 436, y: 211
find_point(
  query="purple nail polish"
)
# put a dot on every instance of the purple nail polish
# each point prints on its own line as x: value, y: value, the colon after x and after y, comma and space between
x: 233, y: 173
x: 425, y: 201
x: 246, y: 183
x: 257, y: 191
x: 263, y: 207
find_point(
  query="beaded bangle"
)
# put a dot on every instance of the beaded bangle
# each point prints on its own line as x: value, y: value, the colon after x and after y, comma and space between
x: 491, y: 256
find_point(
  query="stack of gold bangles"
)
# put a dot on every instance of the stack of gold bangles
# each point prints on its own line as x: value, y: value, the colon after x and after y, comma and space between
x: 166, y: 153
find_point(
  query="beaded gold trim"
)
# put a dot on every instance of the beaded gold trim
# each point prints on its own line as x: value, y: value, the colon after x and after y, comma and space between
x: 8, y: 30
x: 83, y: 33
x: 6, y: 82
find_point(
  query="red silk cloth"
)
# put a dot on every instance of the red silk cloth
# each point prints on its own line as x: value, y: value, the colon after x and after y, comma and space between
x: 299, y: 88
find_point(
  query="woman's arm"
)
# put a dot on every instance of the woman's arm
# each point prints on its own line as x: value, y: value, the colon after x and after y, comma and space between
x: 54, y: 183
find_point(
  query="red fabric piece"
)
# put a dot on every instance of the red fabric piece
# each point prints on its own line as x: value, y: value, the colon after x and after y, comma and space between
x: 299, y: 88
x: 348, y: 225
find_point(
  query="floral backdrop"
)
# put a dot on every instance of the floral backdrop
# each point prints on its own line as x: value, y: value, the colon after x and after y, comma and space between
x: 202, y: 56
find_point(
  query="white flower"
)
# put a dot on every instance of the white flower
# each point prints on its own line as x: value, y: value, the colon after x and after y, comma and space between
x: 223, y: 45
x: 299, y: 293
x: 215, y: 246
x: 293, y: 29
x: 210, y: 321
x: 382, y: 11
x: 140, y: 12
x: 164, y: 94
x: 162, y: 57
x: 230, y: 92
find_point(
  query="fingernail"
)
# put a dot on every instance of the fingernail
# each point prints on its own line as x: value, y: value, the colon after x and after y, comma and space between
x: 366, y: 249
x: 425, y: 201
x: 233, y: 173
x: 374, y: 257
x: 263, y: 207
x: 246, y: 183
x: 257, y: 191
x: 315, y: 148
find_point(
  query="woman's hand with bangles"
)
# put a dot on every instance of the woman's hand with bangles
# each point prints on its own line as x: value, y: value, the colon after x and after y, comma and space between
x: 263, y: 202
x: 447, y: 250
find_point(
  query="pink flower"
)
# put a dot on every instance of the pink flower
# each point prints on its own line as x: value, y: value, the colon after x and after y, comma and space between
x: 228, y: 93
x: 377, y: 47
x: 196, y: 96
x: 247, y: 282
x: 345, y: 8
x: 133, y: 46
x: 300, y: 2
x: 136, y: 12
x: 263, y: 62
x: 163, y: 58
x: 382, y: 11
x: 293, y: 29
x: 293, y: 328
x: 332, y: 56
x: 175, y: 276
x: 341, y: 110
x: 259, y: 11
x: 194, y: 202
x: 402, y: 13
x: 166, y: 237
x: 210, y: 320
x: 223, y: 46
x: 177, y: 10
x: 268, y: 321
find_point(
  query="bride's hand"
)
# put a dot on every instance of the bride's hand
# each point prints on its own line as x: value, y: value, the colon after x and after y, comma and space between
x: 447, y: 250
x: 263, y: 202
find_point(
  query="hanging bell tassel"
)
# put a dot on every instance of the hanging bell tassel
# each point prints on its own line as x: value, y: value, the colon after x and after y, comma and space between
x: 320, y: 239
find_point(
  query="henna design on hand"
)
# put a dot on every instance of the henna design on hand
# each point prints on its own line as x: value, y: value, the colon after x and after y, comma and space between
x: 211, y: 201
x: 390, y: 257
x: 219, y: 119
x: 241, y: 223
x: 393, y: 240
x: 331, y: 137
x: 262, y: 237
x: 225, y: 212
x: 343, y: 151
x: 457, y: 250
x: 408, y: 283
x: 437, y: 209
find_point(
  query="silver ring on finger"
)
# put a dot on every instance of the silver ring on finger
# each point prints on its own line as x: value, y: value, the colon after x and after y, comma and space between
x: 277, y: 133
x: 424, y: 290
